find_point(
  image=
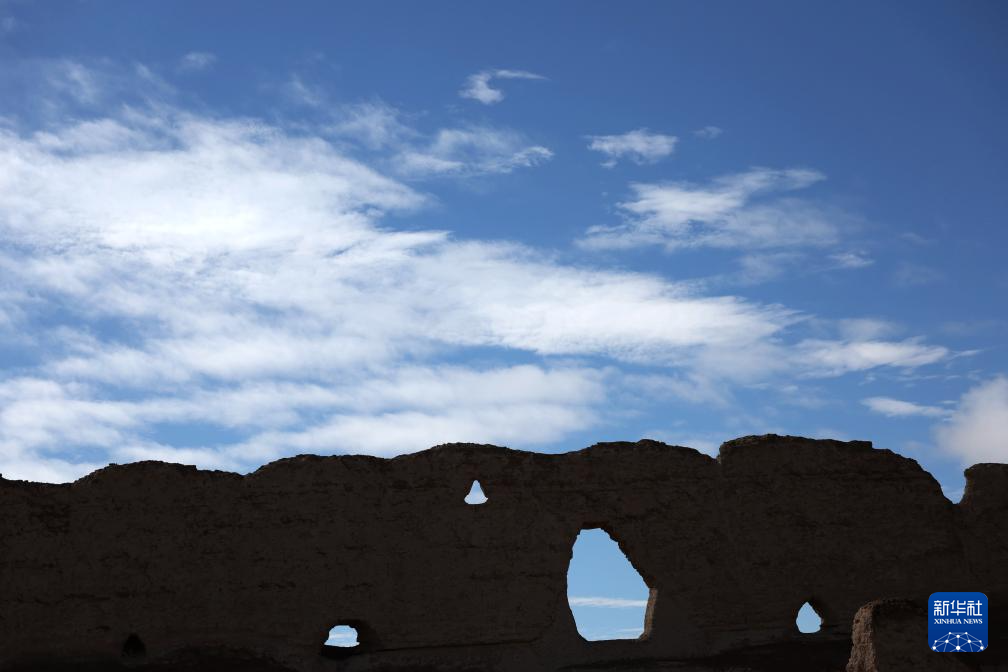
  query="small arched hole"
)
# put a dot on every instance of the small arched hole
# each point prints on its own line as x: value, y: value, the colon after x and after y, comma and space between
x: 607, y: 596
x: 808, y: 620
x: 476, y: 495
x: 342, y: 636
x: 133, y: 647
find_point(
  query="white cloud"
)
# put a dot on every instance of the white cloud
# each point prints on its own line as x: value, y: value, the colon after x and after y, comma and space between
x: 851, y: 259
x: 196, y: 61
x: 831, y: 357
x: 246, y: 265
x: 896, y: 408
x: 471, y: 151
x: 54, y: 90
x: 211, y: 174
x: 756, y: 268
x: 729, y: 212
x: 477, y: 86
x: 303, y: 93
x: 640, y: 146
x: 976, y: 431
x: 866, y: 328
x: 708, y: 132
x: 607, y: 602
x: 73, y: 79
x: 460, y: 152
x: 176, y: 269
x: 375, y: 125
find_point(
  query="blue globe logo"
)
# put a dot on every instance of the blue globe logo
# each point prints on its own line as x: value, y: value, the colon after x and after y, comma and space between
x: 958, y: 641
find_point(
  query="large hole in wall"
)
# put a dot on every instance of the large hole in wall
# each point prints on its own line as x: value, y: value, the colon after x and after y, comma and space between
x: 608, y: 597
x: 808, y: 619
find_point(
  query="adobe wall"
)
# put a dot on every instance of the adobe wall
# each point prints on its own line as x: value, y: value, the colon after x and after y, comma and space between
x: 206, y: 563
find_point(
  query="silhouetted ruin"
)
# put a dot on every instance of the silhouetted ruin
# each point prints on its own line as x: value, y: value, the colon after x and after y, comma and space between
x: 165, y: 567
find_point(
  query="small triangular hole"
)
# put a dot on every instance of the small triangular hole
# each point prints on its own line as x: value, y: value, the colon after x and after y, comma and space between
x: 476, y: 495
x: 808, y: 620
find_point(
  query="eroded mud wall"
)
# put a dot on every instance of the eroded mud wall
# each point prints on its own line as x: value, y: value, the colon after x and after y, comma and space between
x: 265, y: 564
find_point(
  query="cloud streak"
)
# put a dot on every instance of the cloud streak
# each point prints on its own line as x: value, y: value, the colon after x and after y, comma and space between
x: 897, y: 408
x: 478, y: 86
x: 196, y: 61
x: 640, y: 146
x: 471, y: 151
x: 708, y: 132
x: 744, y: 210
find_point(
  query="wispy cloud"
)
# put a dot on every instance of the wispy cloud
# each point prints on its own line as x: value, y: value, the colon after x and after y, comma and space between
x: 708, y: 132
x: 897, y: 408
x: 375, y: 125
x: 304, y: 93
x: 851, y: 259
x: 606, y: 602
x: 471, y: 151
x: 196, y: 61
x: 831, y: 357
x: 179, y: 269
x: 867, y: 328
x: 640, y: 146
x: 75, y: 80
x: 58, y: 89
x: 477, y: 86
x: 975, y: 432
x: 166, y: 226
x: 395, y: 144
x: 753, y: 269
x: 740, y: 210
x: 910, y: 274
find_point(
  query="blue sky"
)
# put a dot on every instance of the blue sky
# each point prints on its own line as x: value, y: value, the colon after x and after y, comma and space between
x: 236, y: 232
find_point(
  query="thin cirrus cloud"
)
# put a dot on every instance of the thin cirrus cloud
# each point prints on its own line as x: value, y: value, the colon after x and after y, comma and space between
x: 851, y: 259
x: 476, y: 150
x: 708, y: 132
x: 640, y: 146
x: 462, y: 152
x: 176, y: 268
x: 375, y: 125
x: 898, y: 408
x: 196, y: 61
x: 477, y: 86
x: 751, y: 210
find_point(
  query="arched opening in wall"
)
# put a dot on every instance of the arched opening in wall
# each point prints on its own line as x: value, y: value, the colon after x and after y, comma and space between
x: 808, y: 619
x: 476, y: 495
x: 607, y: 596
x: 133, y: 647
x: 343, y: 640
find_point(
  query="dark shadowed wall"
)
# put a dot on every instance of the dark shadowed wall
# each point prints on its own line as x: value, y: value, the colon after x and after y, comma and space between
x: 196, y: 564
